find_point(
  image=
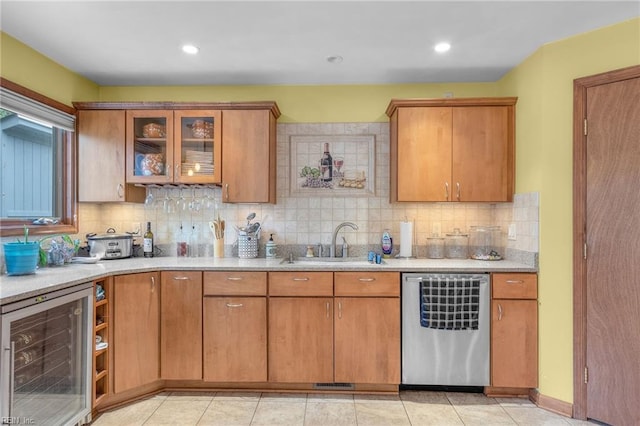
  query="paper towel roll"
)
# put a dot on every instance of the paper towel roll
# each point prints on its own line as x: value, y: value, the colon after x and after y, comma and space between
x: 406, y: 239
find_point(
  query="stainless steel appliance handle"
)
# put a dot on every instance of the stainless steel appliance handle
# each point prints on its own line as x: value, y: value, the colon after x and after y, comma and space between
x: 458, y: 190
x: 413, y: 278
x: 446, y: 191
x: 300, y: 279
x: 234, y: 305
x: 499, y: 312
x: 12, y: 361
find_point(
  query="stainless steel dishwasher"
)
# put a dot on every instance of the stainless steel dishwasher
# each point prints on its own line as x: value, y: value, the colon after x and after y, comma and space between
x: 445, y: 329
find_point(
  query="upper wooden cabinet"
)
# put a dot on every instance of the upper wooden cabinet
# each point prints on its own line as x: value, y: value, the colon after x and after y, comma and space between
x: 227, y: 144
x: 452, y: 149
x: 101, y: 158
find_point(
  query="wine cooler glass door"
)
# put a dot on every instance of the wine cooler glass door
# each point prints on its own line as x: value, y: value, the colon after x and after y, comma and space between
x: 46, y: 361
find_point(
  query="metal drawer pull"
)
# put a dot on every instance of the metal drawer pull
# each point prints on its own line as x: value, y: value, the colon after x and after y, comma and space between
x: 300, y: 279
x: 339, y: 310
x: 366, y: 280
x: 515, y: 282
x: 234, y: 305
x: 499, y: 312
x: 181, y: 278
x: 234, y: 278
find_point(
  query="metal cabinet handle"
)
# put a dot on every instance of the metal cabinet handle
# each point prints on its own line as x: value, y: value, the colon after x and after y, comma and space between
x: 181, y: 278
x: 514, y: 282
x: 499, y: 312
x: 169, y: 170
x: 300, y: 279
x: 366, y: 280
x: 446, y: 191
x: 328, y: 309
x: 120, y: 190
x: 234, y: 278
x: 458, y: 190
x: 234, y: 305
x: 12, y: 361
x: 153, y: 283
x: 339, y: 310
x: 226, y: 187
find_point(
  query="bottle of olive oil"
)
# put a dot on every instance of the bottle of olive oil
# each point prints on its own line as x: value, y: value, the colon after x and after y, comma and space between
x: 147, y: 245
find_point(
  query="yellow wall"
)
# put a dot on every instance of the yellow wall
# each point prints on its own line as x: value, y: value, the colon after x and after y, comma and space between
x: 544, y: 86
x: 24, y: 66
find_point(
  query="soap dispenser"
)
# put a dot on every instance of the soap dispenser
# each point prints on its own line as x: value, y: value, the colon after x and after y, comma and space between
x: 271, y: 248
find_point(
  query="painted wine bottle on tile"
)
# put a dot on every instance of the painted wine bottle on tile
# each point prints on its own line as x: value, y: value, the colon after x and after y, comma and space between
x: 326, y: 164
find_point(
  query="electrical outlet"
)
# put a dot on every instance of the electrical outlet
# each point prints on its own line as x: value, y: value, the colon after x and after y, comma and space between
x: 135, y: 228
x: 436, y: 228
x: 511, y: 233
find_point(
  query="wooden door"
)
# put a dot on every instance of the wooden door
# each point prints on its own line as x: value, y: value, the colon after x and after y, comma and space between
x: 101, y: 158
x: 613, y: 251
x: 181, y: 325
x: 235, y: 339
x: 197, y: 146
x: 481, y: 153
x: 136, y: 330
x: 367, y: 340
x: 514, y: 343
x: 300, y: 340
x: 249, y: 156
x: 152, y: 147
x: 423, y: 154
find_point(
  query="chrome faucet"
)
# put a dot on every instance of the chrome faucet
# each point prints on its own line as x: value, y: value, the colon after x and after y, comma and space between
x: 332, y: 249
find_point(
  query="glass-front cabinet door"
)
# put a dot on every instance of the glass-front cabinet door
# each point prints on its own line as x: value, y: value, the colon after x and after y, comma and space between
x: 197, y: 150
x: 149, y: 146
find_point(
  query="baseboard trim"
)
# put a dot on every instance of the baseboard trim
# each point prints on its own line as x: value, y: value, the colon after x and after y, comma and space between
x: 551, y: 404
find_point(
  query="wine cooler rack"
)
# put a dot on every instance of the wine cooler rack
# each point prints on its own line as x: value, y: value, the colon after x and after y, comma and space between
x: 101, y: 330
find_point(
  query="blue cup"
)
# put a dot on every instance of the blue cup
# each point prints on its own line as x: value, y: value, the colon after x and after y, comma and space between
x: 21, y: 258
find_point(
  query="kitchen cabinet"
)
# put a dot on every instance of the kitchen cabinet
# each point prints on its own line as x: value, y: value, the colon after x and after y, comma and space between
x: 181, y: 325
x: 102, y: 310
x: 182, y: 146
x: 367, y: 327
x: 249, y: 156
x: 235, y: 327
x: 452, y: 149
x: 514, y: 331
x: 136, y: 330
x: 300, y: 327
x: 101, y: 158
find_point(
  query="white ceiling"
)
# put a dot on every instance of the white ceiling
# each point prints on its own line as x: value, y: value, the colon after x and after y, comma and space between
x: 287, y: 42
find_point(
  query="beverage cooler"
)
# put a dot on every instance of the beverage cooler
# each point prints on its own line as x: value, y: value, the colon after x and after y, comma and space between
x: 46, y: 358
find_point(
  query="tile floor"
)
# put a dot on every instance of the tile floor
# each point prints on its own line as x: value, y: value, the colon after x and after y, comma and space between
x: 279, y: 409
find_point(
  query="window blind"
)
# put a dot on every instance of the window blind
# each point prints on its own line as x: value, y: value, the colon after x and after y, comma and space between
x: 36, y: 110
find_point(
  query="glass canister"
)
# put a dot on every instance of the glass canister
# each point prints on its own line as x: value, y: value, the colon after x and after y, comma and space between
x: 456, y: 245
x: 435, y: 247
x: 484, y: 243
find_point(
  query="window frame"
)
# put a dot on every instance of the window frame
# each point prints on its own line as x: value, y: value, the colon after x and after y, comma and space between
x: 69, y: 217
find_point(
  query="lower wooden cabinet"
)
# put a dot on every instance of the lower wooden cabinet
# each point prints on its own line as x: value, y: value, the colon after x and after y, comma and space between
x: 181, y: 325
x: 136, y: 330
x: 514, y: 331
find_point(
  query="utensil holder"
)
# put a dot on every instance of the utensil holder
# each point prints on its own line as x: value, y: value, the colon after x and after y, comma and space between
x: 248, y: 245
x: 218, y: 247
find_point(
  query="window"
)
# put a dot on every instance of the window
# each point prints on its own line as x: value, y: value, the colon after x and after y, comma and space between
x: 37, y: 155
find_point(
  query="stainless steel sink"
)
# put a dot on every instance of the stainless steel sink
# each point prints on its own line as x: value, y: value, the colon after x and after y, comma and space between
x: 317, y: 261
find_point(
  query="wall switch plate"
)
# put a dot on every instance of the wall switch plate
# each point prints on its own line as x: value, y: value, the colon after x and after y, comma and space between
x: 436, y: 228
x: 511, y: 233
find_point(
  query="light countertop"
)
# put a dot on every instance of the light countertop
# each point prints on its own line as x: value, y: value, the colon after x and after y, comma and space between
x: 14, y: 288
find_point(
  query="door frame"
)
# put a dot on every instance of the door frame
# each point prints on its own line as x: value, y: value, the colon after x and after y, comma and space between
x: 580, y: 87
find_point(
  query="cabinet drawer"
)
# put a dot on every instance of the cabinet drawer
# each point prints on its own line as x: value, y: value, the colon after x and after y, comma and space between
x: 367, y: 284
x: 514, y: 286
x: 232, y: 283
x: 301, y: 283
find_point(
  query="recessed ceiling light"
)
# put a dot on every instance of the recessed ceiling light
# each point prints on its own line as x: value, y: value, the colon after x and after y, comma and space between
x: 190, y: 49
x: 334, y: 59
x: 442, y: 47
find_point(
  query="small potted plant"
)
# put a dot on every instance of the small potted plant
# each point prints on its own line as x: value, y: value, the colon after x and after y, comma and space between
x: 21, y: 257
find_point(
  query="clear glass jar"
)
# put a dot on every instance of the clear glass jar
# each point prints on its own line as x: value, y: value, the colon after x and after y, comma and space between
x: 456, y: 245
x: 435, y: 247
x: 484, y: 243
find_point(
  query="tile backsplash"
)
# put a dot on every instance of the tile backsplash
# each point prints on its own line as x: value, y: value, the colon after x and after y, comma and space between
x: 299, y: 219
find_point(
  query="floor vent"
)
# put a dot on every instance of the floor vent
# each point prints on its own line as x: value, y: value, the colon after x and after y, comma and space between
x: 334, y: 386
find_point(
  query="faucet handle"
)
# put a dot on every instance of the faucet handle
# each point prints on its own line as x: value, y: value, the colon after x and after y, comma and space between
x: 320, y: 249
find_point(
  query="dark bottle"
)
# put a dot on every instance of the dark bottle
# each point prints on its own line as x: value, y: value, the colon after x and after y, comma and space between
x: 147, y: 245
x: 326, y: 164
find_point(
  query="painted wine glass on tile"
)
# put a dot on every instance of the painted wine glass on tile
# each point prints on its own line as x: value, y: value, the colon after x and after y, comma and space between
x: 332, y: 165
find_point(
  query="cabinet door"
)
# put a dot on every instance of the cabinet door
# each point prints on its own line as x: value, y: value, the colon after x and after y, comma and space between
x: 235, y: 339
x: 136, y: 330
x: 300, y: 340
x: 249, y: 156
x: 101, y: 158
x: 423, y: 154
x: 367, y: 340
x: 514, y: 343
x: 149, y: 146
x: 197, y: 146
x: 181, y: 325
x: 482, y: 153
